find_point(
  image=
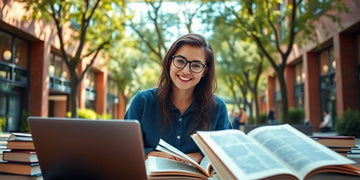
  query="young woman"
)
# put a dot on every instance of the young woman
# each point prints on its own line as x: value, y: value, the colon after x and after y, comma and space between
x: 184, y: 100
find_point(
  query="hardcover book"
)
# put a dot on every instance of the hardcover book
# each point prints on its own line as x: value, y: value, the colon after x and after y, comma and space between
x: 20, y: 156
x: 7, y: 176
x: 20, y: 137
x: 20, y: 168
x: 278, y: 151
x: 166, y: 168
x: 336, y: 141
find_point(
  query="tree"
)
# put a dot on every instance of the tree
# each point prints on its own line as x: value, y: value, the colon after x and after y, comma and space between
x: 241, y: 65
x: 130, y: 69
x: 94, y: 24
x: 275, y: 26
x: 160, y: 25
x: 151, y: 34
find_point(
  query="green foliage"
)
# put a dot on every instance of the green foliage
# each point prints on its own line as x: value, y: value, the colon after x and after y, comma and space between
x: 349, y: 123
x: 296, y: 116
x: 90, y: 114
x: 24, y: 127
x: 104, y: 116
x: 2, y: 123
x: 94, y: 25
x: 84, y: 113
x: 263, y: 118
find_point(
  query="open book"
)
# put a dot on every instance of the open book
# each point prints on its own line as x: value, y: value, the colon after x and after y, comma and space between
x: 163, y: 168
x: 269, y: 152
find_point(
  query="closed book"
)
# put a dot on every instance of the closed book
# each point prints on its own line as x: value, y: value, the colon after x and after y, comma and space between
x: 20, y: 156
x: 7, y: 176
x: 20, y: 137
x: 21, y: 145
x: 20, y: 168
x: 336, y: 141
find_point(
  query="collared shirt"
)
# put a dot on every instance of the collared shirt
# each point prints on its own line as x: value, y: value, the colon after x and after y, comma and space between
x: 145, y: 108
x: 328, y: 121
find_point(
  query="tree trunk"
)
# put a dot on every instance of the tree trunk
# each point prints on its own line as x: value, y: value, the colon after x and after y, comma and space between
x: 257, y: 112
x: 74, y: 96
x: 284, y: 99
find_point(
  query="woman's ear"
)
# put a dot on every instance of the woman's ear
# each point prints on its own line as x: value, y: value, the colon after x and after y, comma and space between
x: 204, y: 73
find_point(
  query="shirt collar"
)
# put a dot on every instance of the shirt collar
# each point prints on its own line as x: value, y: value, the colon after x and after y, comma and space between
x: 190, y: 109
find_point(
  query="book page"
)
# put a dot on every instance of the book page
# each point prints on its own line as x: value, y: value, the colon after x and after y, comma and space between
x: 242, y: 156
x: 166, y: 147
x: 157, y: 166
x: 301, y: 153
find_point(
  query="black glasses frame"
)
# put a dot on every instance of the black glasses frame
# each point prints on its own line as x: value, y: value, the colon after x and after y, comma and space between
x: 188, y: 62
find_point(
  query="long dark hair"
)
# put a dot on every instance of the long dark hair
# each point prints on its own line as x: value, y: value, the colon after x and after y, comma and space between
x: 204, y: 90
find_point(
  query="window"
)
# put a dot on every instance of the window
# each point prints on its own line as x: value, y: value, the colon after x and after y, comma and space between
x: 327, y: 68
x: 14, y: 78
x: 112, y: 97
x: 327, y: 81
x: 59, y: 74
x: 90, y: 82
x: 21, y: 53
x: 299, y: 78
x: 14, y: 54
x: 5, y: 47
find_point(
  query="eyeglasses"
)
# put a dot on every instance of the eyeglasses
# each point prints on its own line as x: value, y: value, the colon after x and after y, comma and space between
x: 181, y: 62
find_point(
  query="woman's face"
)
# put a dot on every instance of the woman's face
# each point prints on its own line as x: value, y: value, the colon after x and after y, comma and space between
x: 184, y: 78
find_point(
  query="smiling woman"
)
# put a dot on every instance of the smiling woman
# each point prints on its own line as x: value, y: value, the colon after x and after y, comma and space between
x: 184, y: 101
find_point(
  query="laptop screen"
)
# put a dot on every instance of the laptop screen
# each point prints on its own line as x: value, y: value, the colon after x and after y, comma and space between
x: 88, y: 149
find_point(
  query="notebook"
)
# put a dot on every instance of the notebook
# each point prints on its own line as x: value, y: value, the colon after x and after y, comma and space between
x: 69, y: 148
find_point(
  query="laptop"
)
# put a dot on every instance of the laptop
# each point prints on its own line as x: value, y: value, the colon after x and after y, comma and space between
x: 69, y: 148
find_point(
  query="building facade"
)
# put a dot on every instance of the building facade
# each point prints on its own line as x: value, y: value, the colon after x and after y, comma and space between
x: 324, y: 76
x: 33, y: 78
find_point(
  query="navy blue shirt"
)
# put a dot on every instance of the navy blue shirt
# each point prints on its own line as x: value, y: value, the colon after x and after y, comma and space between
x: 145, y: 108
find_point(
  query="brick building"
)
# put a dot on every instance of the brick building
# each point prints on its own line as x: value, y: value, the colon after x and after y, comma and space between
x: 33, y: 77
x: 325, y: 76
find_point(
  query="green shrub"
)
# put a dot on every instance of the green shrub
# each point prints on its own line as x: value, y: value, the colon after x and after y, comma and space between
x: 263, y: 118
x: 349, y: 123
x: 90, y: 114
x: 2, y: 123
x: 296, y: 116
x: 84, y: 113
x: 104, y: 116
x: 24, y: 127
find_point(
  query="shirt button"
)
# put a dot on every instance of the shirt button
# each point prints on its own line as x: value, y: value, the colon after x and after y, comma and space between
x: 178, y: 137
x: 180, y: 120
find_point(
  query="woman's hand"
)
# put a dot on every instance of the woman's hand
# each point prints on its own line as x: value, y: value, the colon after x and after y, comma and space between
x: 164, y: 155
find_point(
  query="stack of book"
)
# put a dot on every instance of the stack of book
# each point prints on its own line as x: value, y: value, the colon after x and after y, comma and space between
x: 20, y: 162
x: 3, y: 142
x: 340, y: 144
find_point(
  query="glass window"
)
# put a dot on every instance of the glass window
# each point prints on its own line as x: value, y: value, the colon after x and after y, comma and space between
x: 90, y: 79
x: 5, y: 72
x: 90, y: 82
x: 5, y: 47
x: 52, y: 67
x: 327, y: 82
x: 299, y: 76
x: 21, y: 53
x: 58, y: 66
x: 324, y: 65
x: 66, y: 72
